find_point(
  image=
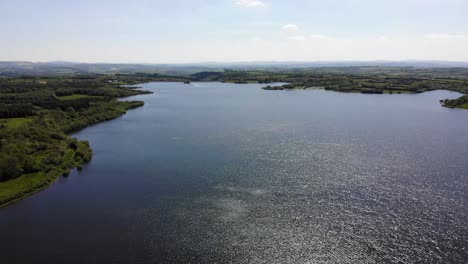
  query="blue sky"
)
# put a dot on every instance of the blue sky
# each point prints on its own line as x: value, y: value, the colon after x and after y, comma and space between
x: 176, y: 31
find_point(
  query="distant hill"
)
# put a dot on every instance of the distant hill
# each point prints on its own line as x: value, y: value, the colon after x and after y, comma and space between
x: 17, y: 68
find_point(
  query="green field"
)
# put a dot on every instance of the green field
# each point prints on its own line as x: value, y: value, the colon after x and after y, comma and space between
x: 464, y: 106
x: 15, y: 122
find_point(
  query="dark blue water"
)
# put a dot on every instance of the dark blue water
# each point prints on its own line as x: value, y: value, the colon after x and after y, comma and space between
x: 224, y: 173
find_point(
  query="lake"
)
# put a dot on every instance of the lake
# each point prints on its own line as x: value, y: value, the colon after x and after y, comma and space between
x: 230, y: 173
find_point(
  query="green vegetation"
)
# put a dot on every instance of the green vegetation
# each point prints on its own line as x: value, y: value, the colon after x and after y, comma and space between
x: 14, y: 122
x: 397, y: 92
x: 37, y: 114
x: 17, y: 189
x: 369, y: 80
x: 461, y: 102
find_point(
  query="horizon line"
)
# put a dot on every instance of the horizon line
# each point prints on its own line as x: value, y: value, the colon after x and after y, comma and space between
x: 242, y: 62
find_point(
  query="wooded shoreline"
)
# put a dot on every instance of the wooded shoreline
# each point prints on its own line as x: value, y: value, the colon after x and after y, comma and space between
x: 35, y: 143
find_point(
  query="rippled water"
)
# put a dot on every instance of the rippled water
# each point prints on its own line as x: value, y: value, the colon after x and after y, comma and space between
x: 224, y: 173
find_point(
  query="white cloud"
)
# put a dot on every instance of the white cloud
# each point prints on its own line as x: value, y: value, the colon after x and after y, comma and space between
x: 290, y: 28
x: 250, y: 3
x: 445, y: 36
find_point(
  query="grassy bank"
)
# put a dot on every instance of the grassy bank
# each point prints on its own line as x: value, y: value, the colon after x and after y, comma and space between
x: 18, y: 189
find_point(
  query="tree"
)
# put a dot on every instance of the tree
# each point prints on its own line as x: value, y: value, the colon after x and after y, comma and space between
x: 10, y: 168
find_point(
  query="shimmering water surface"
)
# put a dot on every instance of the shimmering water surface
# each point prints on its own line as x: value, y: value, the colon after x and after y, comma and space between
x: 224, y: 173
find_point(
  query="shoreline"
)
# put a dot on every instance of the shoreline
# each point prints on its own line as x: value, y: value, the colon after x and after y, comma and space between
x: 29, y: 187
x: 456, y: 103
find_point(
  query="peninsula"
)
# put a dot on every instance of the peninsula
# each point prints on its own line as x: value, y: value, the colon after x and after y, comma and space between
x: 37, y: 114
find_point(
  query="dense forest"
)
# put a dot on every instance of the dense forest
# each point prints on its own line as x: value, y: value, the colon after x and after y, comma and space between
x: 37, y: 113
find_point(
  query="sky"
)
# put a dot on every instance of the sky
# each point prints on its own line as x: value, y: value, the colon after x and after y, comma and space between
x: 187, y: 31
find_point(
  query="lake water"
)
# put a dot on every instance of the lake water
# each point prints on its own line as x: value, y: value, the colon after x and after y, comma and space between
x: 226, y: 173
